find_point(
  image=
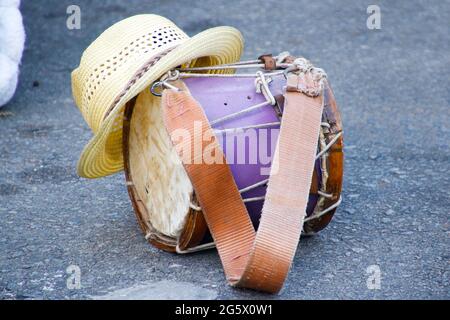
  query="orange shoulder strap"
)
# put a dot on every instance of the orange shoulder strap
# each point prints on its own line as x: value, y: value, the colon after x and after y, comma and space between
x: 258, y: 260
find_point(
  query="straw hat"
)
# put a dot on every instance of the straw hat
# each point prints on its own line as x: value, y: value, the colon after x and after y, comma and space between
x: 125, y: 60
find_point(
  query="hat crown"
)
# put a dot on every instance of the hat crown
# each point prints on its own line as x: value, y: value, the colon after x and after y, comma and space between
x: 114, y: 57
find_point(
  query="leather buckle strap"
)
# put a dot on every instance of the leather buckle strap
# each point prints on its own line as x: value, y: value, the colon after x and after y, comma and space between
x: 258, y: 260
x: 270, y: 63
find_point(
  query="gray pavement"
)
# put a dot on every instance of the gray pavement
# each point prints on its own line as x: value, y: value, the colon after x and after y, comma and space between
x: 392, y: 86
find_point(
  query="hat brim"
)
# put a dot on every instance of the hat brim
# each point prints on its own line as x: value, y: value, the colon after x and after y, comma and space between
x: 102, y: 156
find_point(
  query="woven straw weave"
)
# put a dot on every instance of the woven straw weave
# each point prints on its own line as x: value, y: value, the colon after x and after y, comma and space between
x: 126, y: 59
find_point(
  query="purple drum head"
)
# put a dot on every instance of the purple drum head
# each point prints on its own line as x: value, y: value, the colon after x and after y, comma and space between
x: 249, y: 152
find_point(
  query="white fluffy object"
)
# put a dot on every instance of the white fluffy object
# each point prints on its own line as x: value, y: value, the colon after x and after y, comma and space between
x: 12, y: 39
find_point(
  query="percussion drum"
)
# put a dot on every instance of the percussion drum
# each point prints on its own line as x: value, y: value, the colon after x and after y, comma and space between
x: 245, y: 112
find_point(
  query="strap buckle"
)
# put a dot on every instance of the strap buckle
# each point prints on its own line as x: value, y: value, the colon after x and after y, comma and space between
x: 164, y: 83
x: 309, y: 79
x: 273, y: 63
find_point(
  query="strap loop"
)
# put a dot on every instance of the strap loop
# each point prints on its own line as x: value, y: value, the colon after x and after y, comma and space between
x: 270, y: 63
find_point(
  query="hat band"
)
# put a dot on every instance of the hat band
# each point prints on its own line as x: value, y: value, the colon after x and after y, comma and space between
x: 142, y: 70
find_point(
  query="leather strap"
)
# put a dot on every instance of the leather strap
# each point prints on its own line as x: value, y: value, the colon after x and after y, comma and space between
x: 269, y: 61
x: 259, y: 260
